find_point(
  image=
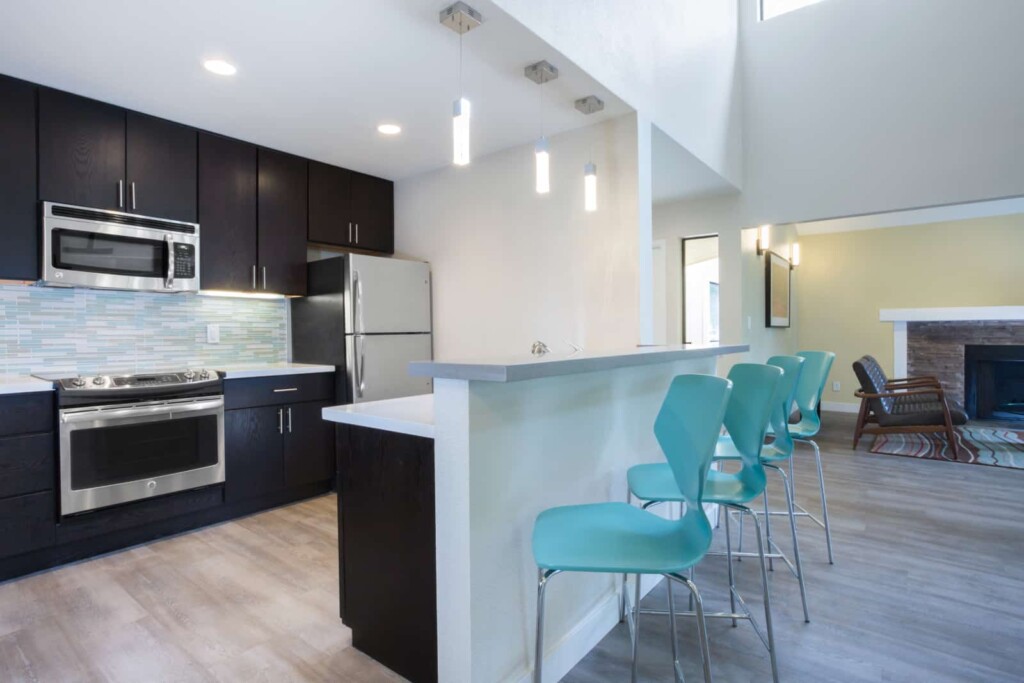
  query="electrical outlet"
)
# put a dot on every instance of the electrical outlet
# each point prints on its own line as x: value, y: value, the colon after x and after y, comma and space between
x: 213, y: 334
x: 835, y: 386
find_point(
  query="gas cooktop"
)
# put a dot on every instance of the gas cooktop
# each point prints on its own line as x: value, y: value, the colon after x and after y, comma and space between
x: 163, y: 380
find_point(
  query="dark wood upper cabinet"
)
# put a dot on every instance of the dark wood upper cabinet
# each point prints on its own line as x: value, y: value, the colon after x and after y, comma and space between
x: 282, y: 217
x: 161, y: 166
x: 81, y: 151
x: 19, y: 251
x: 227, y: 213
x: 373, y: 212
x: 350, y: 209
x: 330, y: 212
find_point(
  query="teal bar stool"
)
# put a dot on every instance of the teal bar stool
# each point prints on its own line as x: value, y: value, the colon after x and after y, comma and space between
x: 754, y: 394
x: 618, y: 538
x: 817, y: 365
x: 773, y: 456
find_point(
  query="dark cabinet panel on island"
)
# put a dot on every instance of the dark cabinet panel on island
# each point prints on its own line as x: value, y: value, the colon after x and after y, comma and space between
x: 227, y: 213
x: 282, y: 215
x: 19, y: 250
x: 161, y: 168
x: 81, y: 151
x: 387, y: 548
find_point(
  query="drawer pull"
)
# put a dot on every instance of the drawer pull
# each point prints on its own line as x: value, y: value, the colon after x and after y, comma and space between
x: 282, y: 391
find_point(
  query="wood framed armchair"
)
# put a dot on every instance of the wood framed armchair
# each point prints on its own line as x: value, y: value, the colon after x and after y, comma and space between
x: 909, y: 405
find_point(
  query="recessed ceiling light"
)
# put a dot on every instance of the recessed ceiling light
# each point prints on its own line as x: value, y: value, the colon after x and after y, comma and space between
x: 389, y: 129
x: 220, y: 67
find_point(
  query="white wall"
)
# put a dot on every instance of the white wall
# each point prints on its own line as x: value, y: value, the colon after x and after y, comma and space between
x: 673, y: 60
x: 511, y: 266
x: 862, y: 106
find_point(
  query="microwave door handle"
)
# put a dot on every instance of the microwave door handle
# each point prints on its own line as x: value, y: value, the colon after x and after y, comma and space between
x: 169, y: 284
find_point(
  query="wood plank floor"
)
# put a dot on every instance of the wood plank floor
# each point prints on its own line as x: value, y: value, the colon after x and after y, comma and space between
x: 928, y: 585
x: 251, y: 600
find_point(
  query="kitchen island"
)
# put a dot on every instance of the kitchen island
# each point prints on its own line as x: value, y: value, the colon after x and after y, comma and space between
x: 510, y: 439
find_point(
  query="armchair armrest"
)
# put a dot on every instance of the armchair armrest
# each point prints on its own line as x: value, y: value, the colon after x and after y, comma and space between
x: 938, y: 392
x: 912, y: 381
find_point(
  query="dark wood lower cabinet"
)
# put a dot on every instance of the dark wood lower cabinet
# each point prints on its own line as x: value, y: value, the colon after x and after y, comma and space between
x: 254, y: 460
x: 308, y: 445
x: 26, y: 523
x: 387, y: 548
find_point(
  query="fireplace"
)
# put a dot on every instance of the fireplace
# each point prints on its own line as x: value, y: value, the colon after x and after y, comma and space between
x: 994, y: 381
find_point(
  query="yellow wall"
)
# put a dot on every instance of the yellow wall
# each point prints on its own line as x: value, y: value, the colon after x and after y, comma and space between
x: 845, y: 278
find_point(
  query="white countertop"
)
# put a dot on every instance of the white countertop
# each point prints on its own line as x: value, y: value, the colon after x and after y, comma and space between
x: 23, y: 384
x: 520, y: 368
x: 243, y: 370
x: 412, y: 415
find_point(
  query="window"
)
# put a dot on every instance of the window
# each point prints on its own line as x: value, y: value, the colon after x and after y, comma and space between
x: 773, y: 8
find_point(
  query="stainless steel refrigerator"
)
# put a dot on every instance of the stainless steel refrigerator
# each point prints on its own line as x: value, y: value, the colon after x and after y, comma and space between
x: 370, y: 317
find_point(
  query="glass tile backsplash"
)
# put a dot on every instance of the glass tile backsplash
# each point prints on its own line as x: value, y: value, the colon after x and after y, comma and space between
x: 82, y: 330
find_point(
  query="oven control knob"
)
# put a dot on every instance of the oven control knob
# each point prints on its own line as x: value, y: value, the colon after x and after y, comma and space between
x: 151, y: 485
x: 77, y: 382
x: 189, y: 375
x: 97, y: 380
x: 205, y: 374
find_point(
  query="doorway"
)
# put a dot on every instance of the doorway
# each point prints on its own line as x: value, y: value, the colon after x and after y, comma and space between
x: 700, y: 289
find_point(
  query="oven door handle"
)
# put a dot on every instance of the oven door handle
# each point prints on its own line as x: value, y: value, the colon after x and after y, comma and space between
x: 141, y: 412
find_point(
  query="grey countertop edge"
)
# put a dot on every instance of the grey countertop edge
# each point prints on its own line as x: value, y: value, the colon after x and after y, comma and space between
x: 552, y: 366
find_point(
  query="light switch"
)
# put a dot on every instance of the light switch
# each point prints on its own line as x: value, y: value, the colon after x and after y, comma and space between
x: 835, y: 386
x: 213, y: 334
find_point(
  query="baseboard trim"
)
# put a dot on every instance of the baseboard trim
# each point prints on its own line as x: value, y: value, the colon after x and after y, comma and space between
x: 837, y: 407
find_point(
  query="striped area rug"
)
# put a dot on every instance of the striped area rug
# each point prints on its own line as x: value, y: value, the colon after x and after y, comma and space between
x: 979, y: 445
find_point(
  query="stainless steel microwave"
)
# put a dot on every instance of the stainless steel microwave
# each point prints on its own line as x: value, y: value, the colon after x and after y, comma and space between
x: 85, y: 247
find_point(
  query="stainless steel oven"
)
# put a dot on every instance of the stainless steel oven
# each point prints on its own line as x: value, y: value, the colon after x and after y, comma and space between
x: 85, y: 247
x: 127, y: 438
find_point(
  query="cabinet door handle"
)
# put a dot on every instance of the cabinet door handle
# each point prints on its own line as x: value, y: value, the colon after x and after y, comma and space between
x: 133, y: 195
x: 280, y: 420
x: 289, y: 420
x: 357, y: 233
x: 284, y: 391
x: 254, y: 276
x: 120, y: 194
x: 350, y: 231
x: 264, y: 277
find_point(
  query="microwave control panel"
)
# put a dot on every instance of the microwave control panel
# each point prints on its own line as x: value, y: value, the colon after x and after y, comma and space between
x: 184, y: 261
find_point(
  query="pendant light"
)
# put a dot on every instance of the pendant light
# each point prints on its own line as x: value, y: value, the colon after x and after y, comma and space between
x: 460, y: 18
x: 590, y: 187
x: 540, y: 73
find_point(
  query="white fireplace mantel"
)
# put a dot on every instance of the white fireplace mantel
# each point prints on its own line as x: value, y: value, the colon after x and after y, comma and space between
x: 899, y: 317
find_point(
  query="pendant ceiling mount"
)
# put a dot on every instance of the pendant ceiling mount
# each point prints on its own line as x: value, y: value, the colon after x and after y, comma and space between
x: 460, y: 18
x: 541, y: 72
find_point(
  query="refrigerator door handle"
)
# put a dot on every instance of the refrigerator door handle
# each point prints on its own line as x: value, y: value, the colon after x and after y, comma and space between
x: 359, y: 324
x: 360, y: 366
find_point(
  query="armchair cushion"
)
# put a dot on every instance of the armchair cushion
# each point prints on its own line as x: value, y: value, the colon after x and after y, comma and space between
x: 921, y: 410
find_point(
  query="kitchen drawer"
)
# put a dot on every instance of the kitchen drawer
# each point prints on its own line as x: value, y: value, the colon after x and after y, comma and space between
x: 26, y: 413
x: 278, y: 390
x: 26, y: 464
x: 26, y: 523
x: 138, y: 513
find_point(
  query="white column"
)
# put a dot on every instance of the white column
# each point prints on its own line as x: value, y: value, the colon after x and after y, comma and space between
x: 645, y: 226
x: 899, y: 348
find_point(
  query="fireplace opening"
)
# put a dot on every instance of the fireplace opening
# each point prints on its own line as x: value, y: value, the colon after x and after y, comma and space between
x: 994, y: 382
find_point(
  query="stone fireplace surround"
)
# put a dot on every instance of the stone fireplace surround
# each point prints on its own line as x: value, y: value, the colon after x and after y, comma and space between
x: 930, y: 341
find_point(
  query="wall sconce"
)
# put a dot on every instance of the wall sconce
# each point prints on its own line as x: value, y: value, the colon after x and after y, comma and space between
x: 794, y: 259
x: 763, y: 239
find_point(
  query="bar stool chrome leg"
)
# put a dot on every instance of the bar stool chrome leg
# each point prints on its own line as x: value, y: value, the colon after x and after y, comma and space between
x: 542, y: 583
x: 798, y: 569
x: 824, y: 502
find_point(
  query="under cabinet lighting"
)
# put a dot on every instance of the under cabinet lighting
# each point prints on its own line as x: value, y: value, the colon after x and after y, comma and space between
x: 239, y: 295
x: 764, y: 234
x: 794, y: 259
x: 543, y: 166
x: 590, y: 187
x: 460, y: 132
x: 389, y: 129
x: 220, y: 67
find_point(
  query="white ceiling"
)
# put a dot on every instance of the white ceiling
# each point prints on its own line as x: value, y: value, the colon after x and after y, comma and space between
x: 678, y: 175
x: 315, y: 77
